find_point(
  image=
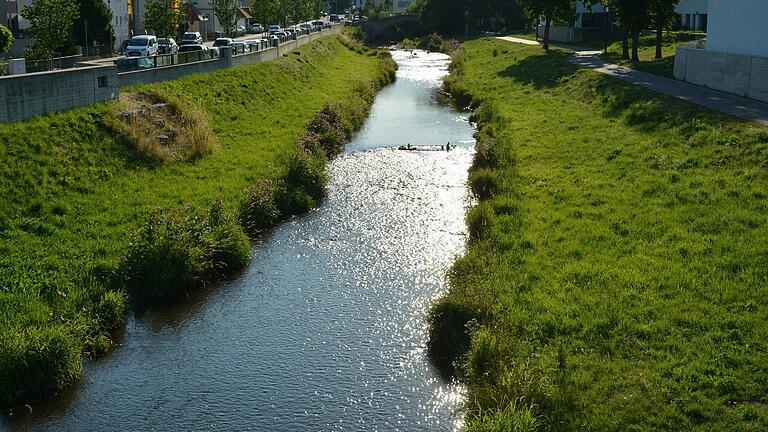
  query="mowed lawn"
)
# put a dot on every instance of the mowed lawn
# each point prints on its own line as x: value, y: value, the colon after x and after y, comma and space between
x: 72, y: 191
x: 622, y: 283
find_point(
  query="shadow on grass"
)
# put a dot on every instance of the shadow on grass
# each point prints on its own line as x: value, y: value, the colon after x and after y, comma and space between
x: 542, y: 71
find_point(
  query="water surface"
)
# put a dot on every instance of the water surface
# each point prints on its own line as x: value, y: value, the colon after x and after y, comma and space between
x: 326, y: 328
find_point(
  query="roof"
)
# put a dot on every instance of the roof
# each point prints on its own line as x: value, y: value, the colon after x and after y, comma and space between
x: 242, y: 13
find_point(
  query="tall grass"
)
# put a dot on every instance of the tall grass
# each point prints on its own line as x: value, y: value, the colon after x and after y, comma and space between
x: 615, y: 271
x: 167, y: 128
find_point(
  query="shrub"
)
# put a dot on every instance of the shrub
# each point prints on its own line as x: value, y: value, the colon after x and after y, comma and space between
x: 259, y: 209
x: 307, y: 171
x: 486, y: 153
x: 179, y: 248
x: 449, y: 334
x: 483, y: 183
x: 480, y: 221
x: 36, y: 362
x: 331, y: 127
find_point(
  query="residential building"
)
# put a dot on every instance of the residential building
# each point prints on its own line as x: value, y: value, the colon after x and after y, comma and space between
x: 734, y: 57
x: 694, y: 14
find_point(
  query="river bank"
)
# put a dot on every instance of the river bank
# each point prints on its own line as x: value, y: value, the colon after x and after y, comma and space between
x: 325, y: 328
x: 73, y: 190
x: 615, y: 277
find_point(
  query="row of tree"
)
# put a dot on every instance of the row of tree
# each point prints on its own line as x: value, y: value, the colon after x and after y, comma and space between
x: 457, y: 17
x: 631, y: 16
x: 58, y: 25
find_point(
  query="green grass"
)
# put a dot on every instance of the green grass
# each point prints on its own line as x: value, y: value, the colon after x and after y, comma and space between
x: 72, y: 192
x: 616, y: 277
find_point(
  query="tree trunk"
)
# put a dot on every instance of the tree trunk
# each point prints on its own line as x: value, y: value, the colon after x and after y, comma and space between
x: 659, y: 41
x: 635, y: 46
x: 625, y: 44
x: 546, y: 33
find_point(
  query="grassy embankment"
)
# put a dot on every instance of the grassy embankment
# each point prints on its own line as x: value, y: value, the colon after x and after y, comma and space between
x: 616, y: 276
x: 90, y: 217
x: 664, y: 66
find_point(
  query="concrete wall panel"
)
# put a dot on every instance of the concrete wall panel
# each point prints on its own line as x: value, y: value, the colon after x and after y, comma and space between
x: 758, y: 81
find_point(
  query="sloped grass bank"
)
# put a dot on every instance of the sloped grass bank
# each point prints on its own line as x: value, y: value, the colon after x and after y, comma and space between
x: 76, y: 198
x: 616, y: 275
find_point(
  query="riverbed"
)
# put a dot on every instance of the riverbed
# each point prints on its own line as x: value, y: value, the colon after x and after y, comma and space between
x: 326, y: 328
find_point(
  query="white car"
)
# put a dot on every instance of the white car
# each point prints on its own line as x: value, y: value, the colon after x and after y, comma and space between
x: 142, y: 46
x: 274, y: 29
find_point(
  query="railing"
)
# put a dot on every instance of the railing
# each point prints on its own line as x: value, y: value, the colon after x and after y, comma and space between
x: 130, y: 64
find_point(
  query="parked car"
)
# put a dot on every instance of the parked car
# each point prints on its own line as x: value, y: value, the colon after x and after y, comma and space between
x: 256, y: 42
x: 142, y: 46
x: 191, y: 38
x: 319, y: 24
x: 306, y: 26
x: 280, y: 34
x: 167, y: 46
x: 335, y: 18
x: 274, y: 29
x: 192, y: 47
x: 257, y: 28
x: 220, y: 42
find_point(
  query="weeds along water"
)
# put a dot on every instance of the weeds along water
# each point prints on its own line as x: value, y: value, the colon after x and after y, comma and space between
x: 74, y: 190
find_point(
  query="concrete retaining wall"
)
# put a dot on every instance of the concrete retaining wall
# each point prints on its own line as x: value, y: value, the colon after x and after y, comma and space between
x: 739, y: 74
x: 28, y: 95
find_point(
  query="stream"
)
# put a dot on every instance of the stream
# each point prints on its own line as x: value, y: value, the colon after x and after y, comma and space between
x: 326, y: 328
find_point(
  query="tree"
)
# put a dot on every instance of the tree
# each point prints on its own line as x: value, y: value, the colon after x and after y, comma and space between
x: 632, y: 16
x: 6, y: 39
x: 551, y: 10
x: 662, y: 15
x: 50, y: 23
x: 162, y: 17
x: 99, y: 24
x: 225, y: 11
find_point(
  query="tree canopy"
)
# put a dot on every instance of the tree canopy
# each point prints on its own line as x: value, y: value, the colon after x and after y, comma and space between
x: 161, y: 17
x: 225, y: 11
x: 454, y: 17
x: 99, y: 19
x: 6, y: 39
x: 50, y: 23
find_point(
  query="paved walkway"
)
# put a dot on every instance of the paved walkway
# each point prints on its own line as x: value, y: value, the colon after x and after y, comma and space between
x: 737, y: 106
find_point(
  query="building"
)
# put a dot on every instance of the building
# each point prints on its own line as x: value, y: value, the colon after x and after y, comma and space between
x: 734, y: 57
x: 120, y: 22
x: 694, y: 14
x: 589, y: 23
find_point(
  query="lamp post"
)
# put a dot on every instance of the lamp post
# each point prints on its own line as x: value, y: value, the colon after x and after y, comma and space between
x: 607, y: 28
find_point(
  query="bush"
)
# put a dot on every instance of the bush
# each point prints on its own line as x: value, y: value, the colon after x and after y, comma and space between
x: 480, y: 221
x: 259, y: 209
x: 36, y: 362
x: 486, y: 153
x: 449, y: 334
x: 307, y: 171
x: 179, y: 248
x: 483, y: 183
x: 331, y: 128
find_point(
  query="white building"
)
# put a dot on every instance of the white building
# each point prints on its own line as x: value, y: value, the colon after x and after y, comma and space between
x: 738, y: 26
x: 120, y: 21
x: 694, y: 14
x: 735, y: 56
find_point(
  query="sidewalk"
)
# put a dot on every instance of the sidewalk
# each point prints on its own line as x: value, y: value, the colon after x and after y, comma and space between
x: 737, y: 106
